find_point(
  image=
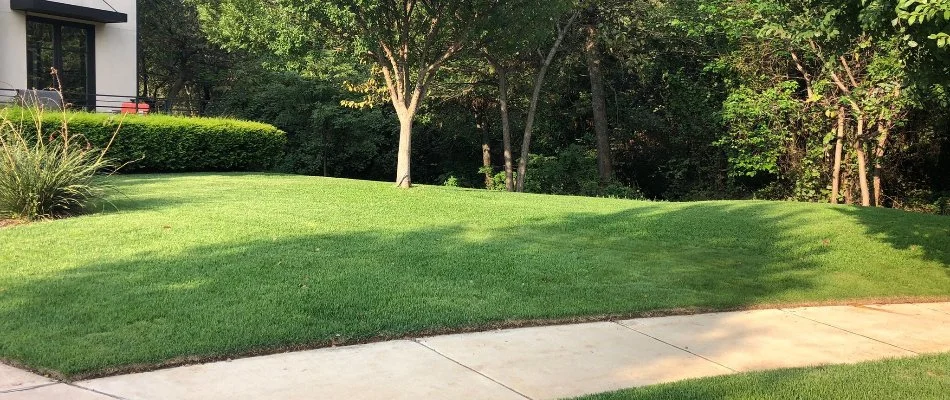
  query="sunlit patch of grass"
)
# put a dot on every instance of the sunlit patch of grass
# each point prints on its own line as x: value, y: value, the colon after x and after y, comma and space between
x: 921, y: 378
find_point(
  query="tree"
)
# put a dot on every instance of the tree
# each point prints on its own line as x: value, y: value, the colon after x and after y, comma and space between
x: 518, y: 42
x: 407, y: 42
x: 850, y: 68
x: 176, y: 59
x: 924, y: 13
x: 562, y: 30
x: 594, y: 58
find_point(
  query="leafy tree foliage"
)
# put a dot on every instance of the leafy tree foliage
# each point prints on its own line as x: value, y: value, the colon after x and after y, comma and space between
x: 809, y: 100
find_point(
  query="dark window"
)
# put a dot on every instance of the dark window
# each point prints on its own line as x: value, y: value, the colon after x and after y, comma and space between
x: 69, y: 49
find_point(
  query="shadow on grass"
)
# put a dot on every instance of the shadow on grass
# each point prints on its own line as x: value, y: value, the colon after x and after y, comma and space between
x: 118, y: 202
x: 926, y: 234
x: 288, y: 292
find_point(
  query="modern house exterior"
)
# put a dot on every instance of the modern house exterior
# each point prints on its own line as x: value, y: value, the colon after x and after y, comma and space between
x: 92, y: 44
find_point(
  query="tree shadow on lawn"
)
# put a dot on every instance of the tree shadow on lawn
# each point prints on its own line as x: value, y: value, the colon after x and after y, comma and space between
x: 927, y: 236
x: 118, y: 202
x: 227, y: 299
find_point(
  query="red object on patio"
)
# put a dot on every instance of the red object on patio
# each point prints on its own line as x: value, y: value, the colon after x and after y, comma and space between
x: 131, y: 107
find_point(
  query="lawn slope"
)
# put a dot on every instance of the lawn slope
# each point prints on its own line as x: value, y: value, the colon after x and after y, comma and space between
x: 218, y: 265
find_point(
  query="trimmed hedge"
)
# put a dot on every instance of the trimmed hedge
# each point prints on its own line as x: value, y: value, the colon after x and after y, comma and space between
x: 161, y: 143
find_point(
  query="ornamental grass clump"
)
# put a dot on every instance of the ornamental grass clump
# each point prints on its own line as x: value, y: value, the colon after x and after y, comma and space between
x: 47, y: 171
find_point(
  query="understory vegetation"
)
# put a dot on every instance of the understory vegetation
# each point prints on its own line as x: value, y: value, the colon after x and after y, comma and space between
x: 189, y: 267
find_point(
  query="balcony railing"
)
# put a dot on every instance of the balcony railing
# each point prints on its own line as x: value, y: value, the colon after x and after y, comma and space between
x: 104, y: 103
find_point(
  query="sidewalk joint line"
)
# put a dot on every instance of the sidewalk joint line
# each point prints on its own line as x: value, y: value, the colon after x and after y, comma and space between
x: 24, y: 389
x: 472, y: 369
x: 95, y: 391
x: 939, y: 311
x: 785, y: 310
x: 675, y: 346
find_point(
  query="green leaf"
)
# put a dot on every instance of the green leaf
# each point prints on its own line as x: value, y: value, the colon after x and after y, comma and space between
x: 913, y: 43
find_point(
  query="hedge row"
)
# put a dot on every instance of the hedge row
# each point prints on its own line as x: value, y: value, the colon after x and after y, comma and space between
x: 160, y: 143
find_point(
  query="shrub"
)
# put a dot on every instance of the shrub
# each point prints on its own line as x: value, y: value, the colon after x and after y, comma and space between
x: 451, y: 181
x: 572, y: 172
x: 50, y: 176
x: 925, y: 201
x: 323, y: 137
x: 158, y: 143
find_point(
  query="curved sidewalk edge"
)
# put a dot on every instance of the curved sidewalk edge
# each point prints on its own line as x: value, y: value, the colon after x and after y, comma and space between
x: 537, y: 363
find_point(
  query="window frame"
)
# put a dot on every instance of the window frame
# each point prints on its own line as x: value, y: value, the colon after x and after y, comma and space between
x: 58, y: 25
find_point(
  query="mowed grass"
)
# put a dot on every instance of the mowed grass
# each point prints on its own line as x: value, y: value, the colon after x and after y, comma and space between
x: 921, y: 378
x: 195, y: 266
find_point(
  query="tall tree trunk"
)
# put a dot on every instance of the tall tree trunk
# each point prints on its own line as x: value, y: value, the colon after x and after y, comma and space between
x: 505, y: 123
x: 848, y: 187
x: 529, y: 129
x: 486, y: 150
x: 839, y: 149
x: 862, y: 164
x: 535, y: 96
x: 403, y: 178
x: 598, y: 100
x: 879, y: 153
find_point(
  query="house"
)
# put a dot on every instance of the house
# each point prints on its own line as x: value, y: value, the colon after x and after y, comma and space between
x: 91, y: 43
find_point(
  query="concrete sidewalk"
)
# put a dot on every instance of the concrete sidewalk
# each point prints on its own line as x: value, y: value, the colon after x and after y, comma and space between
x: 536, y: 363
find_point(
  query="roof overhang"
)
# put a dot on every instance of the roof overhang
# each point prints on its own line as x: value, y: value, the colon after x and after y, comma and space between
x: 57, y: 9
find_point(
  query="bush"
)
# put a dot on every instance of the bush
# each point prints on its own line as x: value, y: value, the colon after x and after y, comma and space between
x: 158, y: 143
x: 51, y: 176
x: 451, y: 181
x: 572, y: 172
x: 323, y: 137
x: 925, y: 201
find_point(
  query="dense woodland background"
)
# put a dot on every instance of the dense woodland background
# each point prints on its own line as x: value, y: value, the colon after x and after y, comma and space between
x: 807, y: 100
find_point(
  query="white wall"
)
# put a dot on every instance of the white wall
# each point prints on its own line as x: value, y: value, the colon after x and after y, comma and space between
x: 12, y: 48
x: 116, y: 48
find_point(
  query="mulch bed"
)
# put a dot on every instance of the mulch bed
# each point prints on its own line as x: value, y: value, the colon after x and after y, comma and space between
x: 6, y: 223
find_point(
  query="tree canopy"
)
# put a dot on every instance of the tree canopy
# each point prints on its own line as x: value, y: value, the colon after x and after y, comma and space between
x: 810, y: 100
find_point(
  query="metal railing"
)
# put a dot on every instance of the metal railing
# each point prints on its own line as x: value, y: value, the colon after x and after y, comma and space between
x: 104, y: 103
x: 7, y: 96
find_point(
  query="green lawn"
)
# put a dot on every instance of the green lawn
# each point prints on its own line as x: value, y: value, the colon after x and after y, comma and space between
x: 217, y: 265
x: 919, y: 378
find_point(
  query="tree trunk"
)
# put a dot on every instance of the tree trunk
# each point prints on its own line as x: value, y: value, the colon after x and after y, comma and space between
x: 529, y: 128
x: 323, y: 151
x: 505, y: 127
x: 598, y: 101
x: 862, y: 164
x: 205, y: 100
x: 847, y: 188
x: 839, y: 149
x: 486, y: 150
x: 533, y: 108
x: 403, y: 178
x: 879, y: 153
x: 173, y: 94
x: 145, y: 81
